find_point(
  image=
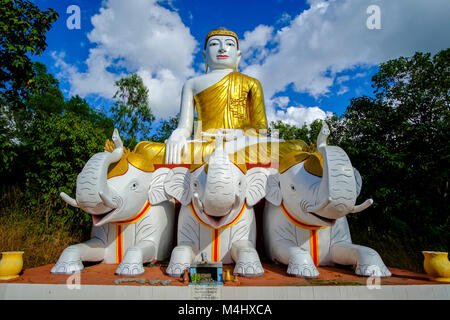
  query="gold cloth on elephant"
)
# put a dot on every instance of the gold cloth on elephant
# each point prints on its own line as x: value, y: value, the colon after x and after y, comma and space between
x: 281, y: 155
x: 147, y: 155
x: 235, y: 102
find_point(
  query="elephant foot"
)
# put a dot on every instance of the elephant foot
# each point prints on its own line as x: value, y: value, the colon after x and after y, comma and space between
x: 129, y: 269
x: 180, y: 260
x: 372, y: 270
x: 370, y: 264
x: 68, y: 263
x: 67, y: 267
x: 248, y: 264
x: 301, y: 265
x: 131, y: 265
x: 176, y: 269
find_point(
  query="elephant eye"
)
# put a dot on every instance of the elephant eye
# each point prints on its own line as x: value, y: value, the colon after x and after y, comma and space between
x: 134, y: 186
x: 292, y: 187
x: 195, y: 184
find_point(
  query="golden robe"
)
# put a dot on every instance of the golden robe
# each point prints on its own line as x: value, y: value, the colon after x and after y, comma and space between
x: 235, y: 102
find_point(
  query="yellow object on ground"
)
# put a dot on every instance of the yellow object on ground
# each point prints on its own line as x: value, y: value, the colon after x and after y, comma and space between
x: 437, y: 266
x: 11, y: 264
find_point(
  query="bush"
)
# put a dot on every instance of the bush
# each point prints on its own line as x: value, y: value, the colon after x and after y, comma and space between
x: 59, y: 148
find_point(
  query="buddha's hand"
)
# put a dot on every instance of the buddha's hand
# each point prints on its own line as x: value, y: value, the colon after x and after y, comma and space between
x: 233, y: 134
x: 175, y: 145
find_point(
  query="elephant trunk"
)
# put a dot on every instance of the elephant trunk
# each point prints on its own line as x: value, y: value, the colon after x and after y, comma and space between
x: 219, y: 196
x: 340, y: 185
x: 93, y: 194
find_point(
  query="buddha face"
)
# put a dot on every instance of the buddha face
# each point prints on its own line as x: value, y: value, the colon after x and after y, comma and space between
x: 221, y: 52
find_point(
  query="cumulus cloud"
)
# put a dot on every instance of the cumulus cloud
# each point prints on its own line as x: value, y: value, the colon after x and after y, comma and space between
x: 298, y: 116
x: 141, y: 37
x: 332, y: 36
x: 253, y: 44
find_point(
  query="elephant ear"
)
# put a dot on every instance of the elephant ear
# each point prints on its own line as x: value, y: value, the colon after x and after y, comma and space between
x: 178, y: 184
x: 156, y: 192
x: 358, y: 181
x: 273, y: 189
x: 256, y: 181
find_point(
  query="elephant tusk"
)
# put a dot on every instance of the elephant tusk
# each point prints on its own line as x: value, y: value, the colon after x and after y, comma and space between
x: 69, y: 200
x: 362, y: 206
x: 320, y: 206
x: 107, y: 201
x: 197, y: 201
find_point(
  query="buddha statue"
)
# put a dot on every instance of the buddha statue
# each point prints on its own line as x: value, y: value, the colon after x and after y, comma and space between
x: 223, y: 98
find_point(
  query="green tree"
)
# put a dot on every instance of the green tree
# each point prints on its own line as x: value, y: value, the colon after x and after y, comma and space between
x: 60, y: 147
x: 131, y: 111
x: 165, y: 129
x: 307, y: 133
x: 22, y: 28
x: 46, y: 96
x: 400, y: 142
x: 82, y: 109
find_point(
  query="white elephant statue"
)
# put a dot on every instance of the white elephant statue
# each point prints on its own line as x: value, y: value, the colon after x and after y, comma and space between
x: 304, y: 218
x: 217, y: 216
x: 133, y: 217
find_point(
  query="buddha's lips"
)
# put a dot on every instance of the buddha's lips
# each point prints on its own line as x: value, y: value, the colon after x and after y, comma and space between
x: 222, y: 56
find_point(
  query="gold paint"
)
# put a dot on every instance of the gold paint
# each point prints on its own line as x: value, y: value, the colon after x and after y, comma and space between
x: 235, y: 102
x: 222, y: 33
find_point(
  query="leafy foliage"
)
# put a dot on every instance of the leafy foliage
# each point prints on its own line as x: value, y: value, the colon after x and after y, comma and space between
x: 22, y: 28
x: 165, y: 129
x: 61, y: 146
x: 307, y: 133
x: 399, y: 141
x: 131, y: 112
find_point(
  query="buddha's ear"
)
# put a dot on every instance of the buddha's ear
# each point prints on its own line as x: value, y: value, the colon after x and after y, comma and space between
x: 204, y: 55
x: 239, y: 55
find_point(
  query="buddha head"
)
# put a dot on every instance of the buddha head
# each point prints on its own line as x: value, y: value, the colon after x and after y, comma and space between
x: 221, y: 49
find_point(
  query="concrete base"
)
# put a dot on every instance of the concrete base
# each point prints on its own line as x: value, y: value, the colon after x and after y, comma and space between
x: 13, y: 291
x: 98, y: 282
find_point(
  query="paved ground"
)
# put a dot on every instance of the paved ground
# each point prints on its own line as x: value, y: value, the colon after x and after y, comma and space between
x: 274, y: 275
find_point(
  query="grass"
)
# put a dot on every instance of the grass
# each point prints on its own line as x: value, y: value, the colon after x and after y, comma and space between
x: 26, y: 228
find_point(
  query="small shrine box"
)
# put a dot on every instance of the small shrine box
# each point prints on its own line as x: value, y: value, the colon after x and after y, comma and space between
x: 205, y: 273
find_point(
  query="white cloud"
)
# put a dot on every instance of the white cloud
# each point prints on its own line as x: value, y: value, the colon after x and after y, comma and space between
x: 298, y: 116
x: 332, y: 36
x: 253, y: 44
x: 139, y: 36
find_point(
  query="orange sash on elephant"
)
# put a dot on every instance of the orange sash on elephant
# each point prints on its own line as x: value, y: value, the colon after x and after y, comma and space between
x: 119, y: 230
x: 313, y: 236
x: 216, y: 231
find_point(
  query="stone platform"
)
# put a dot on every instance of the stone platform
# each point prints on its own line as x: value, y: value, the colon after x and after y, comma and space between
x: 97, y: 282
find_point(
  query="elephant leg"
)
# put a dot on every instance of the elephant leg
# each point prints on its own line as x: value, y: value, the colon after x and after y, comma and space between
x: 299, y: 261
x: 71, y: 258
x: 181, y: 258
x: 367, y: 262
x: 132, y: 262
x: 247, y: 260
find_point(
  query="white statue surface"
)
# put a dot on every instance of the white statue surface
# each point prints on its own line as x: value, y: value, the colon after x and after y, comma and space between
x: 217, y: 216
x: 133, y: 219
x: 304, y: 217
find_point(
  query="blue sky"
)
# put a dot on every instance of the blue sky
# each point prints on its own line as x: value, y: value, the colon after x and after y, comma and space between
x: 311, y: 56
